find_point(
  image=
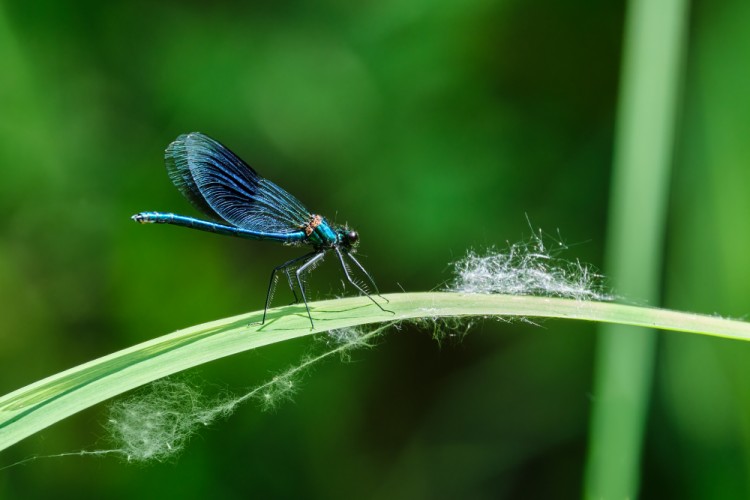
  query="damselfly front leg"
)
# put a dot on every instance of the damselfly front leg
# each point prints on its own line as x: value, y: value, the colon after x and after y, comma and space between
x: 364, y: 271
x: 355, y: 284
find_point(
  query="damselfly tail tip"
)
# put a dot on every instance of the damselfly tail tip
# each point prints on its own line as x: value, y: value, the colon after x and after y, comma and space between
x: 140, y: 218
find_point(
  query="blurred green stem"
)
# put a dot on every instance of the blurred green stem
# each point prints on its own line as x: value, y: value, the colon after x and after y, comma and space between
x: 652, y: 56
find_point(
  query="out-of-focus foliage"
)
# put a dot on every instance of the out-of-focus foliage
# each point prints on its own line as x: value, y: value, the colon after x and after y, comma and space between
x: 430, y: 127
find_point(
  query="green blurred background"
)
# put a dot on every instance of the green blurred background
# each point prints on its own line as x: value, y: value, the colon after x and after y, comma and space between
x: 431, y: 128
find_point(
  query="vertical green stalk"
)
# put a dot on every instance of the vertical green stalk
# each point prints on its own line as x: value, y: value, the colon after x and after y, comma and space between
x: 653, y: 45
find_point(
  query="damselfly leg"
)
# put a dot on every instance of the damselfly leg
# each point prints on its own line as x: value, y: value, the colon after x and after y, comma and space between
x: 364, y: 271
x: 272, y: 284
x: 304, y: 267
x: 357, y: 285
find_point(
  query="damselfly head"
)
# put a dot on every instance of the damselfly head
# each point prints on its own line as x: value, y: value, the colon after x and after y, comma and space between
x: 348, y: 238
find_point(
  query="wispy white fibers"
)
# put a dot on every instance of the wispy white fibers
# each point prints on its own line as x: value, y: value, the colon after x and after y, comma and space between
x: 527, y: 268
x: 155, y: 424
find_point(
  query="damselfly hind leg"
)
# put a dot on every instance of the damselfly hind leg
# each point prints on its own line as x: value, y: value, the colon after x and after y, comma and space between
x: 355, y: 284
x: 272, y: 284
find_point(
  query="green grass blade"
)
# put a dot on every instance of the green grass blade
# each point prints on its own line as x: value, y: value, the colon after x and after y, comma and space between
x: 43, y: 403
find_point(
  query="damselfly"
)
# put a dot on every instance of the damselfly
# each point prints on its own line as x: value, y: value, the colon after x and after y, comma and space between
x: 244, y: 204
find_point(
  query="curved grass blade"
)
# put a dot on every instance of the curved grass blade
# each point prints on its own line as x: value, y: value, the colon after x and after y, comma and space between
x: 41, y: 404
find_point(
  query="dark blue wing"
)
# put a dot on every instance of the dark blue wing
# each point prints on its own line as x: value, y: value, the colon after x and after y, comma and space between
x: 175, y: 158
x: 222, y: 186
